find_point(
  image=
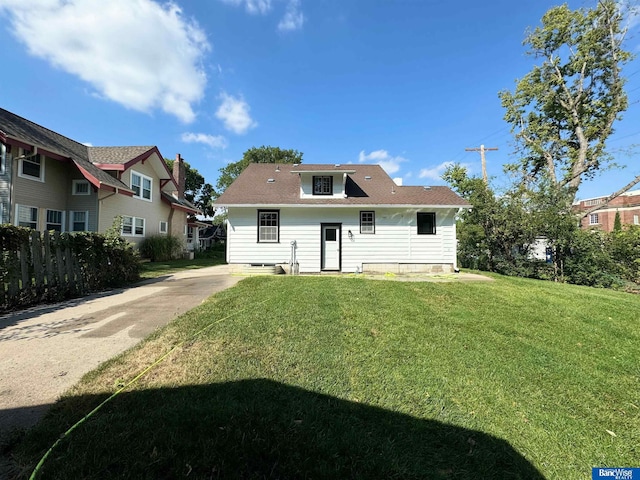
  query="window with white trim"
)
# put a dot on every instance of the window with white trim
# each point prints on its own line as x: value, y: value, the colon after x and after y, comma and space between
x: 32, y: 167
x: 593, y: 201
x: 164, y: 227
x: 594, y: 219
x: 80, y: 187
x: 141, y: 186
x: 367, y: 222
x: 636, y: 220
x: 79, y: 221
x: 55, y: 220
x: 3, y: 158
x: 133, y: 226
x: 27, y: 216
x: 268, y: 226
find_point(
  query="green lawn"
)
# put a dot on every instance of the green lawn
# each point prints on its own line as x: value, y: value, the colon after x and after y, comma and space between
x: 313, y: 377
x: 204, y: 259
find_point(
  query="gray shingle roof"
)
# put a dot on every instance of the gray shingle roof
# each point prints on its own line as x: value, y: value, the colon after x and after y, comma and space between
x: 369, y: 185
x: 36, y: 135
x: 115, y: 155
x: 86, y: 158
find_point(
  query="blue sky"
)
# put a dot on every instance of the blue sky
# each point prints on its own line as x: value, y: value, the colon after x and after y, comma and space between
x: 407, y: 84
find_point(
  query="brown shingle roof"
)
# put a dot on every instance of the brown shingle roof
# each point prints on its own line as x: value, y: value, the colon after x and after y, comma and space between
x: 369, y: 185
x: 115, y: 155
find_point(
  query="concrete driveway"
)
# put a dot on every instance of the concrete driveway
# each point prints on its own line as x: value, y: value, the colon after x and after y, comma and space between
x: 47, y: 349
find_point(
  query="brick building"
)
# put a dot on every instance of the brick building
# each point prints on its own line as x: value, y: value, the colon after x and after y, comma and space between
x: 628, y: 204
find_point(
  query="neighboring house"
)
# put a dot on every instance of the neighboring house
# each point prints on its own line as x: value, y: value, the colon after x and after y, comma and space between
x: 51, y: 182
x: 345, y: 218
x: 627, y: 204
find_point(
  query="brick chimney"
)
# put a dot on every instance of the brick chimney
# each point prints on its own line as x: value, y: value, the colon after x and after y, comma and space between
x: 179, y: 175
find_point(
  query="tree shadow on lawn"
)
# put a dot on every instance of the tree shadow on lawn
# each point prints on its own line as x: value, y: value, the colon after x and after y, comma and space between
x: 259, y: 429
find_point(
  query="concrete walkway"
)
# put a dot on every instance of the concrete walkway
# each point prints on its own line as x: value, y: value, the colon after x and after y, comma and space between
x: 47, y: 349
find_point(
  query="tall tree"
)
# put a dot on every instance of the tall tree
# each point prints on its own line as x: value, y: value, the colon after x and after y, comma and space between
x: 196, y: 190
x: 563, y: 111
x: 261, y: 154
x: 496, y: 233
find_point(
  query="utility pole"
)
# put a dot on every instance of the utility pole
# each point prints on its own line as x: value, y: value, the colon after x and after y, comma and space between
x: 482, y: 157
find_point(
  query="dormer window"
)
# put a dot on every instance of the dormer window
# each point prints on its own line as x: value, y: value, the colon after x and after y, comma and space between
x: 141, y: 186
x: 322, y: 185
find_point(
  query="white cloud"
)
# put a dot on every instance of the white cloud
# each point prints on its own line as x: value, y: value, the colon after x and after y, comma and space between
x: 434, y: 173
x: 252, y: 6
x: 214, y: 141
x: 389, y: 163
x: 293, y: 18
x: 138, y: 53
x: 234, y: 113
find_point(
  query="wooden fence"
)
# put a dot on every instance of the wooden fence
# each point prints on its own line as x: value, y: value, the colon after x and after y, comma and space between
x: 47, y: 267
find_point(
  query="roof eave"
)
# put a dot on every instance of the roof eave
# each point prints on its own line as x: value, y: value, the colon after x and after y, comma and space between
x: 340, y: 205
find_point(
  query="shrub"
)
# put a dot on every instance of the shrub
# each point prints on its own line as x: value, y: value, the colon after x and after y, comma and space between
x: 160, y: 248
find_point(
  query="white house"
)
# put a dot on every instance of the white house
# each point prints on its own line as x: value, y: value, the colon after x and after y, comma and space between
x: 344, y: 218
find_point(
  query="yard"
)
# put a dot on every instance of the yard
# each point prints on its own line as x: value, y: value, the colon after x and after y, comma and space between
x: 325, y: 377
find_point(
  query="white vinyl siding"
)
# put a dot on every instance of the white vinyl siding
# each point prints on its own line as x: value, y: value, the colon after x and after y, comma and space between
x: 395, y: 241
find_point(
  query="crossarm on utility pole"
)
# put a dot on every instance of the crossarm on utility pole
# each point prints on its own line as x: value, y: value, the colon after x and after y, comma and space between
x: 482, y: 149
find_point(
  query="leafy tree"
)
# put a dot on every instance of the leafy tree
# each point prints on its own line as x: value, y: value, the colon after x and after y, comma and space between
x: 196, y: 190
x: 496, y: 233
x: 263, y: 154
x: 617, y: 223
x: 563, y: 111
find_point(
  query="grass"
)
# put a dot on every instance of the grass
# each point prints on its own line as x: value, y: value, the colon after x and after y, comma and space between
x: 311, y: 377
x: 209, y: 258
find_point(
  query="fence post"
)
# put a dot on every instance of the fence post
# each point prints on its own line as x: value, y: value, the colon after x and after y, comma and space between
x: 48, y: 262
x: 27, y: 284
x: 36, y: 255
x: 62, y: 281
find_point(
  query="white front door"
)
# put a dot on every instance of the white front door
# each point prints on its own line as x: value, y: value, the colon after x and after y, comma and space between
x: 331, y: 247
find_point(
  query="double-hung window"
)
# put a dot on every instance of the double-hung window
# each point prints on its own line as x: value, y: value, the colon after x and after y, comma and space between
x: 268, y: 226
x: 164, y: 227
x: 426, y: 223
x: 322, y: 185
x: 79, y: 221
x: 133, y: 226
x: 141, y: 186
x: 55, y: 220
x: 594, y: 219
x: 367, y: 222
x: 27, y: 216
x: 31, y: 166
